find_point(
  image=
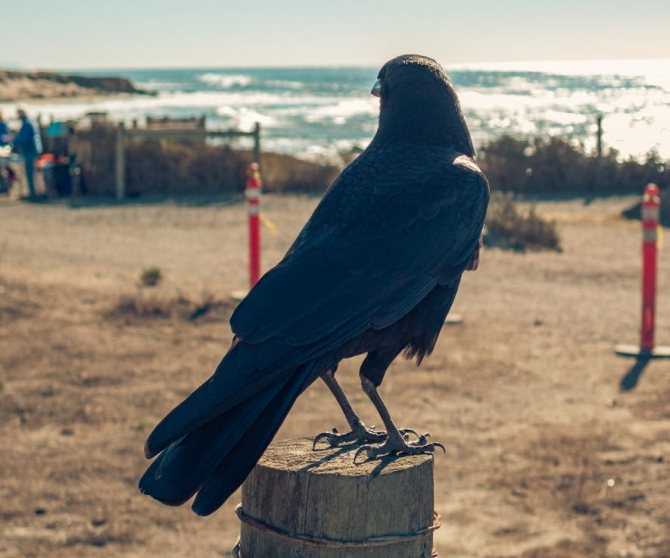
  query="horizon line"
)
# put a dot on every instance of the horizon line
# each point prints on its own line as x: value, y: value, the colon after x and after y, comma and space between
x: 367, y: 65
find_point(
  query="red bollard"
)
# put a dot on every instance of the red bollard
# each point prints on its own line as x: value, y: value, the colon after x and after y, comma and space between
x: 651, y: 203
x: 253, y: 195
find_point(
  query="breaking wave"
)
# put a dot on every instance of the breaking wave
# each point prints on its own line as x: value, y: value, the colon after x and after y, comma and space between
x: 319, y: 110
x: 225, y: 81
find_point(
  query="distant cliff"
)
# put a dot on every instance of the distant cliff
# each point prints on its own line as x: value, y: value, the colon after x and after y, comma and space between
x: 18, y: 85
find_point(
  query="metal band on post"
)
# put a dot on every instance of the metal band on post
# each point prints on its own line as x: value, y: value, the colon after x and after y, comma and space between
x: 325, y: 542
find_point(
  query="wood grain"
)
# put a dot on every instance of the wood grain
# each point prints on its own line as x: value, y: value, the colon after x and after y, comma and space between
x: 323, y: 495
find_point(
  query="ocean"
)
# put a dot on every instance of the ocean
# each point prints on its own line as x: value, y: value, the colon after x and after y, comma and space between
x: 316, y: 112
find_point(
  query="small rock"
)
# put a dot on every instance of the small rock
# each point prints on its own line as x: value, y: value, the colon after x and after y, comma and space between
x: 47, y: 391
x: 583, y: 508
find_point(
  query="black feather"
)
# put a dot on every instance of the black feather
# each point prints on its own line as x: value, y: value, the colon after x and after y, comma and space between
x: 377, y: 265
x: 231, y: 473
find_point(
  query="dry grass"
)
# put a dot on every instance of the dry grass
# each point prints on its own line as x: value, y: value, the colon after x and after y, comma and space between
x: 511, y: 228
x: 147, y: 306
x: 524, y: 394
x: 14, y: 302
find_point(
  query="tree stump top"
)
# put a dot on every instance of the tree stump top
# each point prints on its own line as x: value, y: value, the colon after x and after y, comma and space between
x: 301, y: 503
x: 297, y: 455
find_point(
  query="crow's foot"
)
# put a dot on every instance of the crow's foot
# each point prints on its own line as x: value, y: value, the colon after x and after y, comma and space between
x: 360, y: 434
x: 399, y: 445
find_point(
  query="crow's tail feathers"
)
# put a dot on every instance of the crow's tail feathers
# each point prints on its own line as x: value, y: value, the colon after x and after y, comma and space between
x: 214, y: 458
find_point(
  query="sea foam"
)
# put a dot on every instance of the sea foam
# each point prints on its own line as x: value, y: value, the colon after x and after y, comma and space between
x: 320, y: 110
x: 225, y: 81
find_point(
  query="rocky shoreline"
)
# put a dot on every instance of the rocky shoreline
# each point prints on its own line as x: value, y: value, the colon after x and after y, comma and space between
x: 19, y: 85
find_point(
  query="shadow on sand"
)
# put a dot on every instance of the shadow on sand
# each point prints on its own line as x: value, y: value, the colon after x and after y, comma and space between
x: 630, y: 380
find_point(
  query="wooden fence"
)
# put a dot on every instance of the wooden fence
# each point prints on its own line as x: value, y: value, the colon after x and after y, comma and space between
x: 177, y: 133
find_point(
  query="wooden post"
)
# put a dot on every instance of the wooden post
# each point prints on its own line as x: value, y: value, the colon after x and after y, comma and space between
x: 75, y: 181
x: 120, y: 163
x: 319, y: 504
x: 257, y: 144
x: 41, y: 132
x: 599, y: 138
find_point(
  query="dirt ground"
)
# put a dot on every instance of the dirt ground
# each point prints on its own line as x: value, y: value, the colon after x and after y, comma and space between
x: 547, y: 457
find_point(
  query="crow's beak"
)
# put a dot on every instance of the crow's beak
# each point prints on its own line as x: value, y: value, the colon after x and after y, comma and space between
x: 377, y: 89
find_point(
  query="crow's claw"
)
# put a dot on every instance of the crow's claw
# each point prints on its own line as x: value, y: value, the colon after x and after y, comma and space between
x: 327, y: 436
x: 358, y: 452
x: 359, y: 435
x: 439, y: 445
x: 398, y: 446
x: 406, y: 431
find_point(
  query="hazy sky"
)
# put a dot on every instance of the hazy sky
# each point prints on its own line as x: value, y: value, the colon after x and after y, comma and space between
x: 159, y: 33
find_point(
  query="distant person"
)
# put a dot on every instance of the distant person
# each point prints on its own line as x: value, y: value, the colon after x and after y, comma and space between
x: 4, y: 132
x: 4, y: 141
x: 27, y: 143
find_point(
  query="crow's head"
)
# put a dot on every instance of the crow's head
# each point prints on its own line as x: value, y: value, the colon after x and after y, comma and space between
x: 419, y: 104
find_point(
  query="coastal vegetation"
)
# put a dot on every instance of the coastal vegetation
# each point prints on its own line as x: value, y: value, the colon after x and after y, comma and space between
x: 159, y: 167
x: 554, y: 165
x: 533, y: 166
x: 515, y: 167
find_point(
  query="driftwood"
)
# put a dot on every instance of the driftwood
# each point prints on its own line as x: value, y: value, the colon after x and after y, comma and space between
x: 308, y: 504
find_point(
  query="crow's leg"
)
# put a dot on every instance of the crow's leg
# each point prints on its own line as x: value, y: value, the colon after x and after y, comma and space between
x: 360, y: 433
x: 372, y: 373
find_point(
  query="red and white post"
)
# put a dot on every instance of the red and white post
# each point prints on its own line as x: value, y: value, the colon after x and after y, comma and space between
x: 651, y: 203
x: 651, y: 208
x: 253, y: 195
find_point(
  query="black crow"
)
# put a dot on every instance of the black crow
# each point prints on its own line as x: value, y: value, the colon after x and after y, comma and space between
x: 375, y: 270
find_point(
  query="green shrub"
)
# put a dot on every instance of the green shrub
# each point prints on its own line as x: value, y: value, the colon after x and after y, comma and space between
x: 169, y: 167
x: 521, y: 165
x: 557, y: 166
x: 150, y: 277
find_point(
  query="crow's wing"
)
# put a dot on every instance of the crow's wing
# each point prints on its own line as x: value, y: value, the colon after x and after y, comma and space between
x: 383, y: 236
